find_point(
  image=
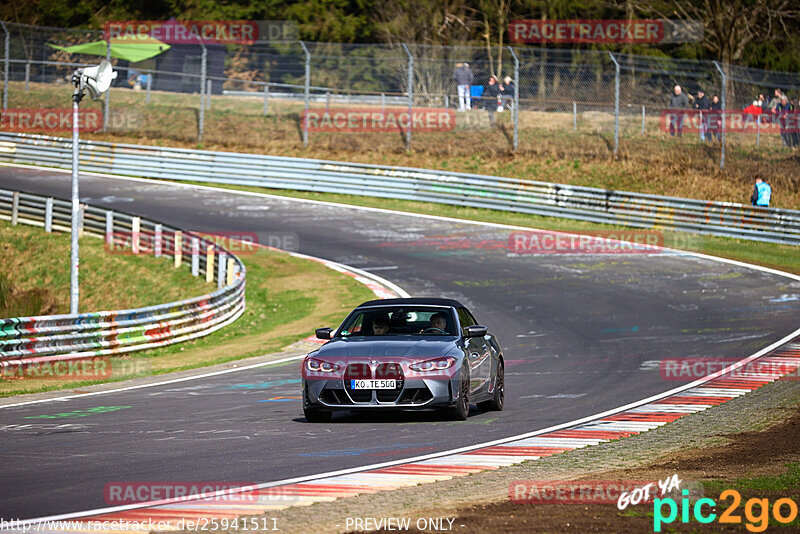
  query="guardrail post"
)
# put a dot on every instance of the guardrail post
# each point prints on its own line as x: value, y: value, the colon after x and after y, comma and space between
x: 48, y: 215
x: 81, y: 215
x: 222, y: 264
x: 616, y: 103
x: 109, y: 227
x: 327, y: 101
x: 106, y: 102
x: 14, y: 208
x: 195, y: 256
x: 27, y: 75
x: 201, y: 119
x: 5, y: 67
x: 410, y: 91
x: 516, y: 98
x: 383, y: 102
x: 266, y: 99
x: 724, y: 89
x: 574, y: 116
x: 306, y: 94
x: 135, y: 226
x: 149, y: 87
x: 178, y: 248
x: 157, y: 241
x: 231, y: 271
x: 209, y: 264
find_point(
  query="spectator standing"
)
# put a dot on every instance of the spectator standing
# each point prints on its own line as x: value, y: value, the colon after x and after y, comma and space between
x: 463, y: 77
x: 490, y: 94
x: 703, y: 105
x: 507, y: 91
x: 678, y: 102
x: 762, y: 193
x: 781, y: 112
x: 764, y: 103
x: 715, y: 119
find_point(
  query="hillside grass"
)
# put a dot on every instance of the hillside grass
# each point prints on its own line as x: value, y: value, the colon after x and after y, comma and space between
x: 550, y: 150
x: 287, y: 298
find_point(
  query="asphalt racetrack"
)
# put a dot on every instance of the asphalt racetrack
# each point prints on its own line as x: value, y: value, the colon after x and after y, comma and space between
x: 580, y: 333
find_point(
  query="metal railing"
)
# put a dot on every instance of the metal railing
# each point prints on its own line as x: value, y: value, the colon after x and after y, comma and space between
x: 121, y: 331
x: 460, y: 189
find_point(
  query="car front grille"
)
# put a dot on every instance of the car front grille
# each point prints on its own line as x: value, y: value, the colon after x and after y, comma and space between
x: 382, y: 371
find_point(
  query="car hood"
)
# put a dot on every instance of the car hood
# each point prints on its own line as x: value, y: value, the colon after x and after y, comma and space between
x: 397, y: 347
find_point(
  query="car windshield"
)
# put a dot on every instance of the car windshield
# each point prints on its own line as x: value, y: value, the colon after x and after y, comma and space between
x: 399, y: 320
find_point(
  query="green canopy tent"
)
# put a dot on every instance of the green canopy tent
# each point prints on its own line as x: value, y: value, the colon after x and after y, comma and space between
x: 133, y: 50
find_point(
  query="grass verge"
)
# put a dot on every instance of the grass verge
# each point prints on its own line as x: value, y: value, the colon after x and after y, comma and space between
x: 287, y: 298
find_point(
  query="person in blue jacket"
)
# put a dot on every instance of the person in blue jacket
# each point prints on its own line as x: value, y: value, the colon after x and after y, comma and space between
x: 761, y: 193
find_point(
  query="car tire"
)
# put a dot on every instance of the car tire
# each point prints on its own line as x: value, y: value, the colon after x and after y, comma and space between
x: 460, y: 411
x: 316, y: 416
x: 495, y: 404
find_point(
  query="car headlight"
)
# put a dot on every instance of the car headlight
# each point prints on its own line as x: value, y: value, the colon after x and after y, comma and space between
x: 320, y: 366
x: 439, y: 364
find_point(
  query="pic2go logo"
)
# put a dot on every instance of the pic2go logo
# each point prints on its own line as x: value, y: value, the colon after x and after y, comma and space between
x: 756, y: 521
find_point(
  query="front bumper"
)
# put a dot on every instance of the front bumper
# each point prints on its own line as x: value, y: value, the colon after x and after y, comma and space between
x: 414, y: 393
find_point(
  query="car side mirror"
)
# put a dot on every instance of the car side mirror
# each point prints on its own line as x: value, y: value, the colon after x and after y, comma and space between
x: 475, y: 330
x: 324, y: 333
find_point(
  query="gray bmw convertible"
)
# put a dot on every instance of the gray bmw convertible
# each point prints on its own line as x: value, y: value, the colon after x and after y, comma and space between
x: 409, y: 354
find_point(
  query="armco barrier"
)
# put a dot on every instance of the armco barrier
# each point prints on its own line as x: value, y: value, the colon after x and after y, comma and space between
x: 114, y: 332
x: 524, y: 196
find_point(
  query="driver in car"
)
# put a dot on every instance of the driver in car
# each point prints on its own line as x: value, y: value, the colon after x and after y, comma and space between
x: 438, y: 322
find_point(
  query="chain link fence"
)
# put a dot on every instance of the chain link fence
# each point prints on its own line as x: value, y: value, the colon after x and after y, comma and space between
x: 328, y: 94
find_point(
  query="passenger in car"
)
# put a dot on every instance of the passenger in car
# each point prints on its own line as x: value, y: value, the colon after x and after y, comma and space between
x: 380, y: 325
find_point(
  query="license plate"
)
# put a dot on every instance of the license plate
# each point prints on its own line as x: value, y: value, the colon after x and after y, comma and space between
x: 373, y: 384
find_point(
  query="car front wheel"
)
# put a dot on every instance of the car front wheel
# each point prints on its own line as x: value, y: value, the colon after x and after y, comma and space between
x: 499, y: 395
x: 460, y: 411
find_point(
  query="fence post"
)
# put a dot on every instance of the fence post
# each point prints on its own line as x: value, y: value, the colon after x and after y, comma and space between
x: 208, y: 93
x: 27, y: 75
x: 306, y: 94
x: 48, y: 215
x: 178, y: 248
x: 149, y: 87
x: 758, y: 130
x: 642, y: 119
x: 106, y: 102
x: 195, y: 256
x: 209, y: 264
x: 383, y: 102
x: 14, y: 208
x: 616, y: 103
x: 724, y: 88
x: 574, y: 116
x: 516, y: 98
x: 266, y: 99
x: 109, y: 228
x: 222, y: 264
x: 5, y: 67
x: 157, y: 239
x: 201, y: 120
x: 410, y: 95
